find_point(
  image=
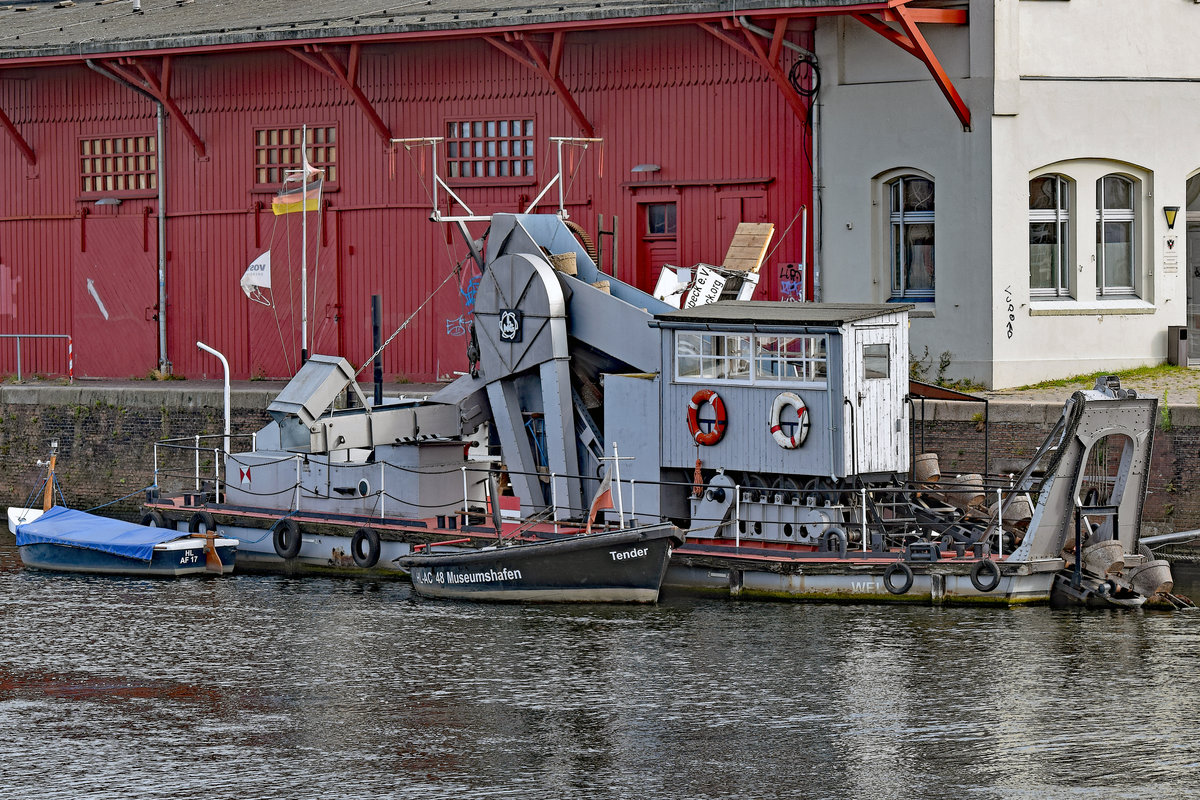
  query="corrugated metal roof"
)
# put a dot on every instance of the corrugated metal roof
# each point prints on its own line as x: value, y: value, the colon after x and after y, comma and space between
x: 763, y: 312
x: 58, y: 28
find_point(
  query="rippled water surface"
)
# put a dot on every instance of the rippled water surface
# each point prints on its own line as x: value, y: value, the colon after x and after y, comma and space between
x: 271, y: 687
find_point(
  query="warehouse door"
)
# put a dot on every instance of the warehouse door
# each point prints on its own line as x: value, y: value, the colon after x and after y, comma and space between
x: 114, y: 294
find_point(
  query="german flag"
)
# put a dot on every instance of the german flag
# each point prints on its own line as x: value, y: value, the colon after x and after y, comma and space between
x: 305, y: 197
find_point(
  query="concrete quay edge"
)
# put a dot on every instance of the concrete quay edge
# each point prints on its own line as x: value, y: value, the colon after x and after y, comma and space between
x: 188, y: 395
x: 1042, y: 407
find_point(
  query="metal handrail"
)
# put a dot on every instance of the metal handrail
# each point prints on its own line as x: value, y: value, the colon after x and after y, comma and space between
x: 70, y: 349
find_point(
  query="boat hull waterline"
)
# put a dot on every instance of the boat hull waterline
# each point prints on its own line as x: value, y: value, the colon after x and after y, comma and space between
x: 170, y: 560
x: 613, y: 567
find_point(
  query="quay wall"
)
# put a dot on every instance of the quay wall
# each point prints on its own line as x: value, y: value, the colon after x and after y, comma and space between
x: 106, y: 437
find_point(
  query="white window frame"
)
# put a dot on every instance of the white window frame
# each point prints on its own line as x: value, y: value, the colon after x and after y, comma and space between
x: 897, y: 221
x: 1114, y: 216
x: 1060, y: 217
x: 751, y: 359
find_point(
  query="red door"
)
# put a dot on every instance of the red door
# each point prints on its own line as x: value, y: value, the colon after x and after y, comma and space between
x: 658, y: 242
x: 114, y: 291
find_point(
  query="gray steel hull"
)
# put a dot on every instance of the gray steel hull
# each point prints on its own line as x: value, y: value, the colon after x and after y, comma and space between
x: 854, y: 580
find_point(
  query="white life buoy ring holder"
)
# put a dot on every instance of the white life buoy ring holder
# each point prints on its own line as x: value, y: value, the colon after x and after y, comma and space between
x: 782, y: 401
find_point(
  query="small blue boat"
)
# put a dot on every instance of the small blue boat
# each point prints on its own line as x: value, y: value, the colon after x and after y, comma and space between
x: 66, y: 540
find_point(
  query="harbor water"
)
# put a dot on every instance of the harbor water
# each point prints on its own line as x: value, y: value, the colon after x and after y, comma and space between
x: 252, y: 686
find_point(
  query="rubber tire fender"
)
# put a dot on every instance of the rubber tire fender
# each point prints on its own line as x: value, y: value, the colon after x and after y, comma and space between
x: 286, y: 538
x: 153, y: 519
x: 368, y: 557
x: 977, y: 571
x: 898, y: 567
x: 202, y: 519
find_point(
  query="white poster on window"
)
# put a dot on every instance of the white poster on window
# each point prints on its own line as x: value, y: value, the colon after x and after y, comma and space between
x: 707, y: 288
x: 1170, y: 253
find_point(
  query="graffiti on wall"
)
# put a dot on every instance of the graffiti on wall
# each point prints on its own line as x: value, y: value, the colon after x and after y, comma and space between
x: 791, y: 283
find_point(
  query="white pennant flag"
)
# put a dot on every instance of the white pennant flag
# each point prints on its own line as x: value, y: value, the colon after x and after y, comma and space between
x: 258, y: 277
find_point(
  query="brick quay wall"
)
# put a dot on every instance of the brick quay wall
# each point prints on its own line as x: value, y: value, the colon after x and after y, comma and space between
x: 106, y: 435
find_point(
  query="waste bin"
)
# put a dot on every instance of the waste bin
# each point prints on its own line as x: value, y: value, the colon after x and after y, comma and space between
x: 1177, y: 345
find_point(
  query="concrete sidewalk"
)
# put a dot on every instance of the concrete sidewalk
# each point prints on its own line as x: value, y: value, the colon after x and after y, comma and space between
x: 1176, y: 388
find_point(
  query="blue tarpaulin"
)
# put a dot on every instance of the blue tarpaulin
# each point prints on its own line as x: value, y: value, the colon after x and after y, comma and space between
x: 70, y: 528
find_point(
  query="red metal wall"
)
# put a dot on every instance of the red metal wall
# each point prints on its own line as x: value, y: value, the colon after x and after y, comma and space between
x: 727, y: 143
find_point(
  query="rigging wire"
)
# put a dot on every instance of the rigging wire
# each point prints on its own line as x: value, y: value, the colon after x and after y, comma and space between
x: 453, y: 273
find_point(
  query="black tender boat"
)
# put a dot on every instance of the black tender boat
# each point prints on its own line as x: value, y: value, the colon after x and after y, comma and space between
x: 624, y: 566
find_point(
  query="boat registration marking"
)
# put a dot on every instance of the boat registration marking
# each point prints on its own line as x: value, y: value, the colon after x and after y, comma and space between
x: 626, y: 555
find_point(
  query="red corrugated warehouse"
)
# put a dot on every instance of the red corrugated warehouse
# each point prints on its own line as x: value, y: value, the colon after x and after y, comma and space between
x: 701, y: 101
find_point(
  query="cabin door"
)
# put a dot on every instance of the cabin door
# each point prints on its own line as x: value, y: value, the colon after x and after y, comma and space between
x: 879, y: 434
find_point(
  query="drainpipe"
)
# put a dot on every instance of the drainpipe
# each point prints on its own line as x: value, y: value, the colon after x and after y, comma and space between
x: 164, y: 364
x: 814, y: 123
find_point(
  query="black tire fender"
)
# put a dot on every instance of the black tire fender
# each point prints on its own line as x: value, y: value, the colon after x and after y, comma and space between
x: 988, y: 567
x: 286, y: 538
x: 365, y: 547
x: 201, y: 522
x: 153, y: 519
x: 894, y: 569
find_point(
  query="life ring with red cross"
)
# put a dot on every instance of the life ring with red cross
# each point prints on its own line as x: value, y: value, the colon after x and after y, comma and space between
x: 784, y: 400
x: 693, y: 417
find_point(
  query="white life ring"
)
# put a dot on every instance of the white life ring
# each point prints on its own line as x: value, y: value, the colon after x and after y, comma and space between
x: 782, y: 401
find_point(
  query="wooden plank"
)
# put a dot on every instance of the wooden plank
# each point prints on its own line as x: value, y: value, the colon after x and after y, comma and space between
x: 749, y: 246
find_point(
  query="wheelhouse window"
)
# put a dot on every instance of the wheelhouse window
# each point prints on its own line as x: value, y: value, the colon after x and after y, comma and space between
x: 1049, y: 236
x: 277, y: 151
x: 751, y: 358
x: 1115, y: 219
x: 494, y: 148
x: 911, y: 224
x: 118, y: 164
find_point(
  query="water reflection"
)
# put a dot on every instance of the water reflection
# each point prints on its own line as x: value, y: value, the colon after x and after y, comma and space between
x: 261, y: 686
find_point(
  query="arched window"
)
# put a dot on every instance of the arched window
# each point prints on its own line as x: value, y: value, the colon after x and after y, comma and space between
x: 911, y: 224
x: 1049, y: 236
x: 1116, y: 199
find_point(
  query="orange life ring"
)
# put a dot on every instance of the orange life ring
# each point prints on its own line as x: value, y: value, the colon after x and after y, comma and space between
x: 693, y: 417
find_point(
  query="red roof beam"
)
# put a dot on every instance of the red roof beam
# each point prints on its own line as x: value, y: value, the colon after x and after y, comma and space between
x: 347, y: 75
x: 933, y: 16
x: 913, y: 41
x: 767, y: 58
x: 17, y: 138
x: 547, y: 66
x: 158, y: 87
